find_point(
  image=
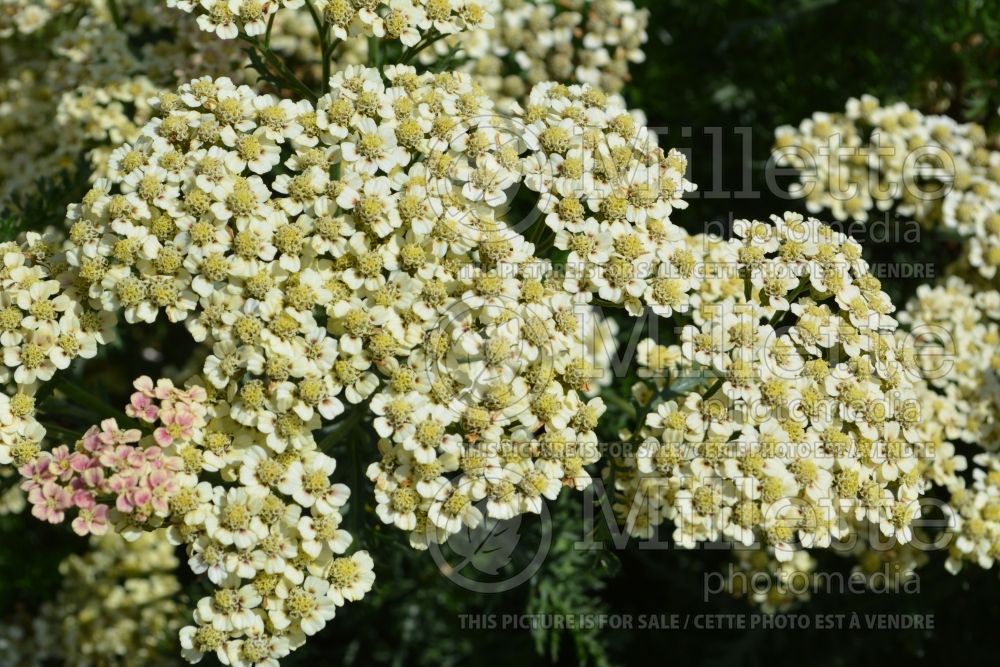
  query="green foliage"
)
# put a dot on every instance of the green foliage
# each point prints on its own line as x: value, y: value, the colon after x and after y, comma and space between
x: 9, y: 227
x: 30, y: 559
x: 570, y: 585
x: 762, y: 63
x: 46, y: 207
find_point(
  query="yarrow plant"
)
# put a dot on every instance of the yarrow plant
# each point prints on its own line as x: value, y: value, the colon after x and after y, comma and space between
x: 804, y: 424
x: 578, y: 41
x: 90, y: 84
x: 117, y: 603
x: 408, y: 21
x: 268, y: 537
x: 352, y: 250
x: 410, y: 235
x: 252, y: 268
x: 944, y: 174
x: 959, y: 326
x: 42, y: 329
x: 514, y: 46
x: 400, y: 255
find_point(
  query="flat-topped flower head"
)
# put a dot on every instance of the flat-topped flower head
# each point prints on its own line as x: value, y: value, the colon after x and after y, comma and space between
x: 975, y: 516
x: 800, y: 426
x: 608, y: 190
x: 959, y: 325
x: 877, y: 157
x: 377, y: 268
x: 264, y: 527
x: 407, y: 21
x: 592, y: 42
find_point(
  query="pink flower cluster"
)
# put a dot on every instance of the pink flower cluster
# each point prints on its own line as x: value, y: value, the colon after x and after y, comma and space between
x: 115, y: 474
x: 179, y: 411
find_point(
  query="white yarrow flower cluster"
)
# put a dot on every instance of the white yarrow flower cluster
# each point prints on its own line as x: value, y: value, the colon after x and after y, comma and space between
x: 408, y: 21
x: 932, y: 168
x: 269, y: 540
x: 373, y: 269
x: 957, y: 329
x: 581, y: 41
x: 591, y: 42
x: 25, y: 17
x: 976, y: 514
x: 774, y: 586
x: 116, y: 603
x: 802, y: 423
x: 43, y: 328
x: 607, y: 190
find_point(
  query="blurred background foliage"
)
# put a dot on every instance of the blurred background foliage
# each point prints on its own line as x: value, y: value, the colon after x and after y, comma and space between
x: 744, y: 67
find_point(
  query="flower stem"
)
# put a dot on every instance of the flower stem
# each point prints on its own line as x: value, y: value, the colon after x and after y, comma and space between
x: 374, y: 53
x: 622, y: 403
x: 90, y: 400
x: 325, y: 46
x: 343, y: 428
x: 411, y: 52
x: 276, y: 69
x: 69, y: 437
x: 116, y: 14
x: 778, y: 315
x: 711, y: 390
